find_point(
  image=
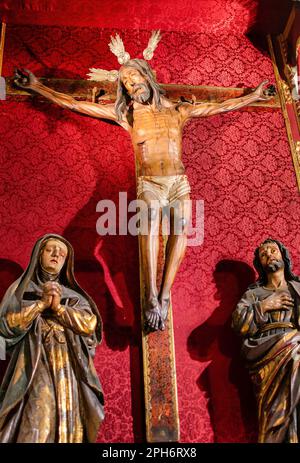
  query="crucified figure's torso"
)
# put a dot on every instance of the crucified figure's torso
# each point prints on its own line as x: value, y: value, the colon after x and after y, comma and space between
x: 157, y: 139
x: 155, y: 125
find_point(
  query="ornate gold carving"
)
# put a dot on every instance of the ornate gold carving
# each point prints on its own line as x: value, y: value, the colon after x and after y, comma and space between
x: 283, y: 46
x: 286, y: 92
x: 297, y: 151
x: 289, y: 72
x: 297, y: 106
x: 285, y: 98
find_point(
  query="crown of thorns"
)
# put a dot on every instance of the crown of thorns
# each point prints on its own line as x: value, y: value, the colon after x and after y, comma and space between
x: 116, y: 46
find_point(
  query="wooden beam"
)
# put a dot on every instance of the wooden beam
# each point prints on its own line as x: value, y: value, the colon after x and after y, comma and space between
x: 84, y: 89
x: 2, y: 41
x: 289, y: 23
x: 160, y: 384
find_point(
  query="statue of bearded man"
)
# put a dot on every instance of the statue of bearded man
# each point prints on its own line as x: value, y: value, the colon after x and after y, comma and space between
x: 267, y: 318
x: 155, y: 125
x: 51, y: 391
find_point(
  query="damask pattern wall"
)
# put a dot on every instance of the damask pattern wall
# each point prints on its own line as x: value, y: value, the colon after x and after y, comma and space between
x: 55, y: 167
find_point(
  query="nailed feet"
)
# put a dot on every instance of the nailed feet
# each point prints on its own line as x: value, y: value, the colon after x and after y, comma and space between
x: 164, y: 307
x: 153, y: 316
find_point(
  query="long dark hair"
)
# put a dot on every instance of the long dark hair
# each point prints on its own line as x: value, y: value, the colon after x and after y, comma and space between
x: 262, y: 275
x: 123, y: 99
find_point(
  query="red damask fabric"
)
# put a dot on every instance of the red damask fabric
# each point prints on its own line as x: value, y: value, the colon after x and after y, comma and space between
x: 238, y: 16
x: 56, y: 166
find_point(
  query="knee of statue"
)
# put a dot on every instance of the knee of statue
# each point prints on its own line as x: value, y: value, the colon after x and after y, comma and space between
x: 152, y: 213
x: 180, y: 226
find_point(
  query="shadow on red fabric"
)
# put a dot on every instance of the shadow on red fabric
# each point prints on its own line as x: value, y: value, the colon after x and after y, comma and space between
x: 225, y: 381
x: 108, y: 268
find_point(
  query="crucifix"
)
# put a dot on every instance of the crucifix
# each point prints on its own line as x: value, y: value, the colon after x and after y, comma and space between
x: 155, y: 123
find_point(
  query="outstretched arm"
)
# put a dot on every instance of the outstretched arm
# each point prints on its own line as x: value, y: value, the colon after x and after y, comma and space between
x: 28, y: 81
x: 210, y: 109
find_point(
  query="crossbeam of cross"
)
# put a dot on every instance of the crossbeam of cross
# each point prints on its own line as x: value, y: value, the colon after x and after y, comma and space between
x: 105, y: 92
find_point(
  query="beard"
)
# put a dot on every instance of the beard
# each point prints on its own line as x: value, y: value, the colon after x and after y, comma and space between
x: 144, y: 96
x: 275, y: 265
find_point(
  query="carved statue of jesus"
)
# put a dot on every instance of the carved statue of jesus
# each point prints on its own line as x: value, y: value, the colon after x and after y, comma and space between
x: 155, y: 125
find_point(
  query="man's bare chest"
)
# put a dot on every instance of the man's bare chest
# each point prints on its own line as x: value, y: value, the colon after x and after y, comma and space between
x: 152, y: 124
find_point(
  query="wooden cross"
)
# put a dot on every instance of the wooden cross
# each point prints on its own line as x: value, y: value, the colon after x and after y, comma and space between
x: 161, y: 407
